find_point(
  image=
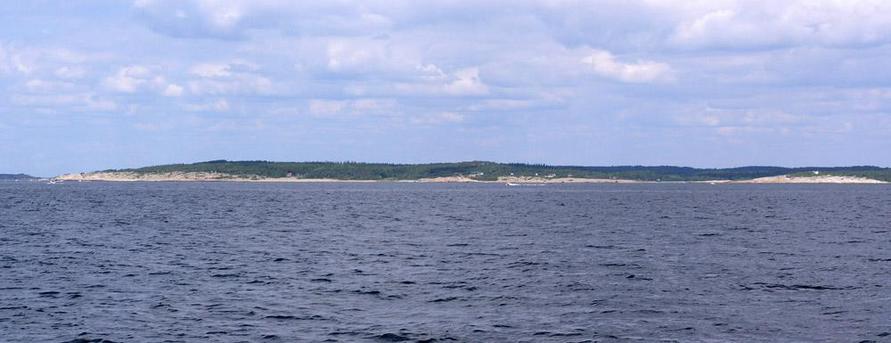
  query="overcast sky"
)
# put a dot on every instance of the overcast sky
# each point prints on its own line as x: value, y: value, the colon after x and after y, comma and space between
x: 89, y: 85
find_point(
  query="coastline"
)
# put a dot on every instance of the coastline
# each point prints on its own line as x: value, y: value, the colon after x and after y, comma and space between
x: 221, y: 177
x: 525, y: 180
x: 816, y: 179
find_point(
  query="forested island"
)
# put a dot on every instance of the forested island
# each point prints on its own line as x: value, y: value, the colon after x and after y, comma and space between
x: 476, y: 171
x: 16, y: 177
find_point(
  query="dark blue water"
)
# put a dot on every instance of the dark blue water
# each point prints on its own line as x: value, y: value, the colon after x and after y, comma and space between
x: 235, y: 262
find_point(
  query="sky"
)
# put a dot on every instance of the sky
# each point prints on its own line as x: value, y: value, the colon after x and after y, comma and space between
x: 93, y: 85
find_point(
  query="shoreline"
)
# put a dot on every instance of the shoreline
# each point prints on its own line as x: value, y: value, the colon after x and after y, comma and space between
x: 220, y: 177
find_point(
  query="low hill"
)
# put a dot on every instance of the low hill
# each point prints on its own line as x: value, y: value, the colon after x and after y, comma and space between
x: 16, y: 177
x: 488, y: 171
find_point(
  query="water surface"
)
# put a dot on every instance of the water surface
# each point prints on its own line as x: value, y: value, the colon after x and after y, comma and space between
x: 244, y: 262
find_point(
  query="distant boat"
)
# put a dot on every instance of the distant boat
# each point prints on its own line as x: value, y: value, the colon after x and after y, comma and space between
x: 524, y: 184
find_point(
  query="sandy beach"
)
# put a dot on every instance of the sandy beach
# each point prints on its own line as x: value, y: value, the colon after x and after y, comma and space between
x: 184, y: 177
x: 811, y: 179
x: 204, y: 176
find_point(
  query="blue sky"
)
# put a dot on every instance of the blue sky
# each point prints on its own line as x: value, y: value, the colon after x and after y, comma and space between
x: 91, y: 85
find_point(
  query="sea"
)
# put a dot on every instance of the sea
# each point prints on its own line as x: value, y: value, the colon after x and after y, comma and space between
x: 424, y: 262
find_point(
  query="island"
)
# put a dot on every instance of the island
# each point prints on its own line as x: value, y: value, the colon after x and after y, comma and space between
x: 478, y: 171
x: 17, y: 177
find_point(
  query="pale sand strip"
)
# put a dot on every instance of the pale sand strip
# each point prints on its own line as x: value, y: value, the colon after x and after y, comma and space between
x: 529, y: 179
x: 202, y: 176
x: 184, y: 176
x: 811, y: 179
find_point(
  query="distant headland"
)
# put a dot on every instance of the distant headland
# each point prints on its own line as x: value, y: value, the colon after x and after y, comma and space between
x: 478, y: 171
x: 16, y: 177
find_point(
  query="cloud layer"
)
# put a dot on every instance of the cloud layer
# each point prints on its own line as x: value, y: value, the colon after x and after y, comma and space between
x: 705, y: 83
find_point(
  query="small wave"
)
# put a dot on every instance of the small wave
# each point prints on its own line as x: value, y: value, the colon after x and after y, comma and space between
x: 88, y: 340
x: 291, y: 317
x: 391, y: 337
x: 446, y: 299
x: 226, y: 275
x: 797, y: 287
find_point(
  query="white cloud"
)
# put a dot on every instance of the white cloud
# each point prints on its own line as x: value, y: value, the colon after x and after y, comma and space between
x: 173, y: 90
x: 603, y: 63
x: 70, y: 72
x: 362, y: 55
x: 772, y: 24
x: 370, y: 105
x: 462, y: 82
x: 467, y: 82
x: 4, y: 60
x: 355, y: 107
x: 507, y: 104
x: 233, y: 19
x: 138, y: 78
x: 633, y: 23
x: 219, y: 105
x: 224, y: 14
x: 15, y: 60
x: 439, y: 118
x: 737, y: 118
x: 128, y: 79
x: 44, y: 86
x: 325, y: 107
x: 242, y: 85
x: 430, y: 72
x: 233, y: 78
x: 211, y: 70
x: 98, y: 104
x: 342, y: 56
x: 74, y: 101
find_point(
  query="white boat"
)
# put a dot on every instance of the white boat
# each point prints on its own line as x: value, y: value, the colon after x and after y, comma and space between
x: 524, y: 184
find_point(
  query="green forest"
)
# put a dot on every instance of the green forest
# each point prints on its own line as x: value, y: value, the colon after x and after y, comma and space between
x: 15, y: 177
x: 488, y: 171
